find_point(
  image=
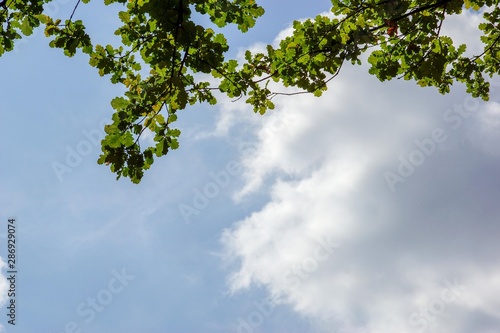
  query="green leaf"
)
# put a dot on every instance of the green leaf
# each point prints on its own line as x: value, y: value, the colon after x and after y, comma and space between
x: 167, y: 58
x: 119, y: 103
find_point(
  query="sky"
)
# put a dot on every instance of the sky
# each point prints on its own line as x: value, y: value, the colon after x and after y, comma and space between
x: 371, y: 209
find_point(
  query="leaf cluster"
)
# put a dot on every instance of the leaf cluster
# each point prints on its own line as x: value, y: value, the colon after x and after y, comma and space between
x: 164, y: 49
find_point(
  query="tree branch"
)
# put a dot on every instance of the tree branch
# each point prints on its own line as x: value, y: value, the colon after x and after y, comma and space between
x: 415, y: 11
x: 74, y: 10
x: 487, y: 50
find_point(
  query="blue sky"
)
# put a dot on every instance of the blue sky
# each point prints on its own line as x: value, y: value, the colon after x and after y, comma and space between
x: 313, y: 223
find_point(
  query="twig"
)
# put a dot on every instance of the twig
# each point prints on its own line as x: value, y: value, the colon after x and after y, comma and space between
x: 74, y: 10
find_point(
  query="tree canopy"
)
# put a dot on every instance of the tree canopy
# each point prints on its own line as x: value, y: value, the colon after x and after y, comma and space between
x: 164, y: 50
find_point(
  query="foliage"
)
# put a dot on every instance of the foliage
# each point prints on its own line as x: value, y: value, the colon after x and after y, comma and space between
x: 163, y: 50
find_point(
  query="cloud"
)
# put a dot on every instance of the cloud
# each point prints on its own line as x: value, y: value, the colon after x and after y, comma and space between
x: 232, y: 113
x: 418, y: 257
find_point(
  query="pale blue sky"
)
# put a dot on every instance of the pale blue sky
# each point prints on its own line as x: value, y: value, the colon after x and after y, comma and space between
x: 323, y: 175
x: 73, y: 233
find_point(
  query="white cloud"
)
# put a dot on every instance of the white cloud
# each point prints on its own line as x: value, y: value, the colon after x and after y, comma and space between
x: 235, y: 111
x: 488, y: 129
x: 464, y: 30
x: 421, y: 258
